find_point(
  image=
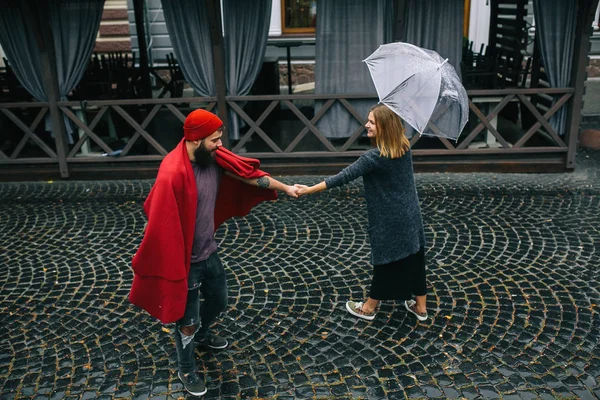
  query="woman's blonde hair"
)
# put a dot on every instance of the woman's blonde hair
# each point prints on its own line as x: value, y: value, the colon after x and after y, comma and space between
x: 390, y: 139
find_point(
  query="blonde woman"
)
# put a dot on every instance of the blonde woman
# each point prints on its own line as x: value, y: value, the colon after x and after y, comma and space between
x: 395, y: 222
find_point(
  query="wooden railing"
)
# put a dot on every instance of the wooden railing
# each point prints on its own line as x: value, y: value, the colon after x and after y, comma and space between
x: 88, y: 135
x: 29, y: 134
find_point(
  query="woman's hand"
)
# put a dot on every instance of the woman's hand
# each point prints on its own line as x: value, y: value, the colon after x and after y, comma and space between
x: 302, y: 189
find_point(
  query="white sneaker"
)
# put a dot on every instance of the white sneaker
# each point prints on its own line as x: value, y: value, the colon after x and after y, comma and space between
x: 410, y: 306
x: 355, y: 308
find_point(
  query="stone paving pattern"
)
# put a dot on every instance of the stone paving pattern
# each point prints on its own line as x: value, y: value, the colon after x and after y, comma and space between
x: 513, y: 271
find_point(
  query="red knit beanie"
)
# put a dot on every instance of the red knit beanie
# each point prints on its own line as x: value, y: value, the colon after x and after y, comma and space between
x: 200, y: 124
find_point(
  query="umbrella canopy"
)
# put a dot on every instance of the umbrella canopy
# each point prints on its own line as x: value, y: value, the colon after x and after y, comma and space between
x: 421, y: 87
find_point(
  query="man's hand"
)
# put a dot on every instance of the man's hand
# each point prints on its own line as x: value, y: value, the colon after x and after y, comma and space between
x: 302, y: 189
x: 291, y: 191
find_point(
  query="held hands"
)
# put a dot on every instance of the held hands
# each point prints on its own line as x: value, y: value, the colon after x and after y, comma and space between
x: 302, y: 189
x: 297, y: 190
x: 291, y: 191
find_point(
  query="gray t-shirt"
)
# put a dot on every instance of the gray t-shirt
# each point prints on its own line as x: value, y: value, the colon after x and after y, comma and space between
x: 207, y: 184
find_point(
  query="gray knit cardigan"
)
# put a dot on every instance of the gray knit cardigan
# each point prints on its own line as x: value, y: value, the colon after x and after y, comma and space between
x: 395, y: 221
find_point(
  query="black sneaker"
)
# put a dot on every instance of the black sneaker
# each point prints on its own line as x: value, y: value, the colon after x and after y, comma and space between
x: 214, y: 342
x: 193, y: 383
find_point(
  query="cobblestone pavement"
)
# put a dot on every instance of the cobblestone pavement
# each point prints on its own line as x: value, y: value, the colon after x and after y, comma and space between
x: 514, y: 295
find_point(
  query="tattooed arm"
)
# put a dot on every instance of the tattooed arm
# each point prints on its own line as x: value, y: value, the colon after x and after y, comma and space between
x: 268, y: 183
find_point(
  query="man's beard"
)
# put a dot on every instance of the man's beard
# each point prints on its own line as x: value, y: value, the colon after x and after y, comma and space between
x: 203, y: 157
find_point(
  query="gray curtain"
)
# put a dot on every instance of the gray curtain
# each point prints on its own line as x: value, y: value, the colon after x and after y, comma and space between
x: 74, y: 25
x: 246, y: 31
x: 437, y: 25
x: 246, y: 34
x: 20, y: 47
x: 187, y: 23
x: 348, y: 31
x: 555, y: 22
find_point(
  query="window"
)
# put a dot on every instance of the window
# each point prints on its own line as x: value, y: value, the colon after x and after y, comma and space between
x: 298, y: 16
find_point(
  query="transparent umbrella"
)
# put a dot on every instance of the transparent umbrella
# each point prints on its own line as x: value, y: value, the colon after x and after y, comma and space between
x: 421, y: 87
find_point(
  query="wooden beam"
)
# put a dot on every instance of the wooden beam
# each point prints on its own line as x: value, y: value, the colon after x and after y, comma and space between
x: 586, y: 10
x: 137, y: 134
x: 310, y: 126
x: 213, y: 8
x: 255, y: 128
x: 39, y: 24
x: 484, y: 120
x: 128, y: 102
x: 487, y: 124
x: 543, y: 121
x: 28, y: 104
x: 29, y: 133
x: 88, y: 131
x: 353, y: 138
x: 259, y: 121
x: 504, y: 92
x: 157, y: 146
x: 313, y: 121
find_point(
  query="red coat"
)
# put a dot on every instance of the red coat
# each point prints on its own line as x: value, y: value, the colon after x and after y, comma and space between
x: 162, y: 262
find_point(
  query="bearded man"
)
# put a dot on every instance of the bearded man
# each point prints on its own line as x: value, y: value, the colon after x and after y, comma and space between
x: 199, y: 185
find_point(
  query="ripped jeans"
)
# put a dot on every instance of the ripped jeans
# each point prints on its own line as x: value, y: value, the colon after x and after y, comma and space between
x: 206, y: 277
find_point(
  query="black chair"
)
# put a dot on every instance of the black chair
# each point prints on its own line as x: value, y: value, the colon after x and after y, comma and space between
x: 479, y: 70
x: 11, y: 89
x: 108, y: 77
x: 177, y: 81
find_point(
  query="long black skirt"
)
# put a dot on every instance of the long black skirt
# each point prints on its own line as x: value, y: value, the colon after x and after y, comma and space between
x: 400, y: 280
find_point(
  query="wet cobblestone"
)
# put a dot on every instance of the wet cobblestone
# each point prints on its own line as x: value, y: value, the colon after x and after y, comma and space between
x: 514, y: 280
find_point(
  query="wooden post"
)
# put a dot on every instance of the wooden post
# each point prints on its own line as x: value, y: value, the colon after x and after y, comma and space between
x: 40, y: 26
x: 214, y: 19
x: 586, y: 10
x: 138, y: 10
x: 289, y: 68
